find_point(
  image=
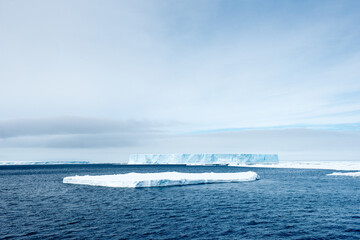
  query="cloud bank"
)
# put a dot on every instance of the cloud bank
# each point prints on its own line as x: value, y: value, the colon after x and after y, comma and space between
x: 72, y: 132
x: 112, y: 141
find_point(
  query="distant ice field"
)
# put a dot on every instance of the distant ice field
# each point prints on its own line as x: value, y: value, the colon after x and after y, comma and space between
x: 10, y: 163
x: 161, y: 179
x: 326, y: 165
x: 350, y: 174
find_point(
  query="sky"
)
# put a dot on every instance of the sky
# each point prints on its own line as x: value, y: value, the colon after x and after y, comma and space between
x: 98, y: 80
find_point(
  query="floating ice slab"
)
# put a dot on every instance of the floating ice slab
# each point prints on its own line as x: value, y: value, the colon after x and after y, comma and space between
x: 202, y: 159
x: 162, y: 179
x: 350, y: 174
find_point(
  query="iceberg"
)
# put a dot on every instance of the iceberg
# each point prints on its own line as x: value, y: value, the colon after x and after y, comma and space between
x: 162, y: 179
x: 350, y: 174
x: 203, y: 159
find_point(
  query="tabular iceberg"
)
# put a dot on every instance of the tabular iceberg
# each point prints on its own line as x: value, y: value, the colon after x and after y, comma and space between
x: 202, y: 159
x: 162, y: 179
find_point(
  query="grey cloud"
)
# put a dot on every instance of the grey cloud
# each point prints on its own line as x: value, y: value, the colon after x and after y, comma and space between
x: 72, y: 125
x: 76, y: 141
x: 293, y: 144
x: 141, y: 136
x: 73, y: 132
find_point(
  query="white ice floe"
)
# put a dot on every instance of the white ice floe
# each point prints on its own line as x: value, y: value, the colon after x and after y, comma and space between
x: 161, y: 179
x: 331, y: 165
x: 350, y: 174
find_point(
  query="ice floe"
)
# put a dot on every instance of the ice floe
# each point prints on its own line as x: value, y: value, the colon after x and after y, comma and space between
x: 161, y: 179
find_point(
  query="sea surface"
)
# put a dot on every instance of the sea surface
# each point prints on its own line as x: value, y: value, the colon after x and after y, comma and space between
x: 283, y: 204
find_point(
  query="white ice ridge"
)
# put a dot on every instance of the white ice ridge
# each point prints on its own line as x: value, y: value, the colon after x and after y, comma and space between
x: 202, y: 159
x: 350, y: 174
x: 162, y: 179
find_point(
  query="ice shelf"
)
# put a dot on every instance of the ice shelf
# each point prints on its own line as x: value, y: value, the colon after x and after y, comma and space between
x: 203, y: 159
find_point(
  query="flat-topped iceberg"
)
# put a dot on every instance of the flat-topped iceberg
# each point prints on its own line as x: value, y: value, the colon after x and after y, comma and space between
x: 202, y: 159
x: 162, y: 179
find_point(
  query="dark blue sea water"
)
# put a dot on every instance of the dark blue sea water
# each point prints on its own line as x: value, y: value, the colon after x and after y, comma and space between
x: 284, y: 204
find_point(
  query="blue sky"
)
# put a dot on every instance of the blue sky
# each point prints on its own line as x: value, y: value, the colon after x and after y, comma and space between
x: 174, y: 68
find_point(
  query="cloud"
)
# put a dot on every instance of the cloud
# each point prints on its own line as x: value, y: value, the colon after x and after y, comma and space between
x: 232, y: 64
x: 74, y: 132
x: 102, y: 140
x: 72, y: 125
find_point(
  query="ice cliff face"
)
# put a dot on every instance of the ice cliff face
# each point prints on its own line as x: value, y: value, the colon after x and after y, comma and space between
x: 203, y: 159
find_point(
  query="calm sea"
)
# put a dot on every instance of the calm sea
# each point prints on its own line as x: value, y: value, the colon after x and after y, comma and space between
x: 284, y: 204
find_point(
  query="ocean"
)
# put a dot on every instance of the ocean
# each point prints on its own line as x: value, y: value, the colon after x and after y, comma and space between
x: 283, y: 204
